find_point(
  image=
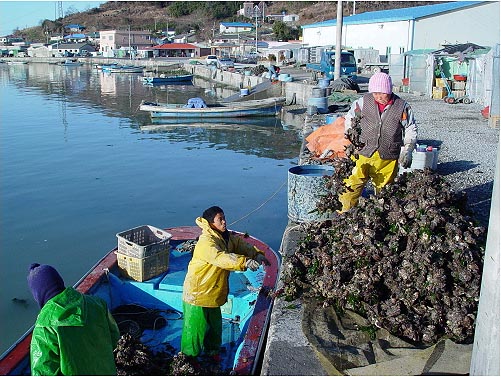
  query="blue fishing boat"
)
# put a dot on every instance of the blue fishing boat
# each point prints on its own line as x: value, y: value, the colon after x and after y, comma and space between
x: 71, y: 63
x: 171, y: 79
x: 245, y: 315
x: 106, y: 66
x: 196, y: 108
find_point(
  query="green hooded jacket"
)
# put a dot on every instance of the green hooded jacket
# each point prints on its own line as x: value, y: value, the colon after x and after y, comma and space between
x: 74, y: 334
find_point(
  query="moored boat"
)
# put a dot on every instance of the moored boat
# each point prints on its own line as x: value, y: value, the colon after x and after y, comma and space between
x: 171, y: 79
x: 71, y: 63
x: 123, y: 69
x: 245, y: 315
x: 196, y: 108
x: 101, y: 66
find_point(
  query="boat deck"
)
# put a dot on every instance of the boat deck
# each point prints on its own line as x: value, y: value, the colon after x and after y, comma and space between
x: 163, y: 294
x: 152, y: 309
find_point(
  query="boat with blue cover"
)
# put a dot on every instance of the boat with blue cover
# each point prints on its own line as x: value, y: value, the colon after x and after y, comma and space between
x: 245, y: 315
x: 196, y: 108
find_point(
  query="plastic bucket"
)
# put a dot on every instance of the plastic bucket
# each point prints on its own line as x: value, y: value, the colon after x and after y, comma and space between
x: 317, y: 92
x: 306, y: 185
x: 320, y: 103
x: 423, y: 158
x: 311, y: 110
x: 330, y: 118
x: 283, y: 76
x: 324, y: 83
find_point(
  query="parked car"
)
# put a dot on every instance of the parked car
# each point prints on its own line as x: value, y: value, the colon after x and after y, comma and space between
x: 211, y: 59
x: 225, y: 63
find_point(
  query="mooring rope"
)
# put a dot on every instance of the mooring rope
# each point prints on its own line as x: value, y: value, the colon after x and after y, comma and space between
x: 260, y: 206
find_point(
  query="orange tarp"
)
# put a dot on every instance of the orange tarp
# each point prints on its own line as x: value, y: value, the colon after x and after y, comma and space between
x: 328, y: 140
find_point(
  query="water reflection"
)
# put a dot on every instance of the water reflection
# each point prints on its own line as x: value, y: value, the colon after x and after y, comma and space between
x: 120, y: 95
x: 250, y: 137
x: 79, y: 165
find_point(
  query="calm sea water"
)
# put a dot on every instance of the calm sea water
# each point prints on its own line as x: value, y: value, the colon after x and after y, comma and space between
x: 80, y: 163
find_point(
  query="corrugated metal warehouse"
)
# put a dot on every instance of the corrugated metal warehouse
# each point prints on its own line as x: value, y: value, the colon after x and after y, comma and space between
x: 396, y: 31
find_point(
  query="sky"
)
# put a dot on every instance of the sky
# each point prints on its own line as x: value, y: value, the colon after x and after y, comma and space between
x: 21, y: 14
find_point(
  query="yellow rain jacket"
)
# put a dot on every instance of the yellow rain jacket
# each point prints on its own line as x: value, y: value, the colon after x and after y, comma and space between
x: 206, y: 283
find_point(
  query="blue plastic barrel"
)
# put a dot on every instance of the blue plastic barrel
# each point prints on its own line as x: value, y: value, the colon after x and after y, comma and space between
x: 330, y: 118
x: 324, y: 83
x: 320, y: 103
x: 306, y: 185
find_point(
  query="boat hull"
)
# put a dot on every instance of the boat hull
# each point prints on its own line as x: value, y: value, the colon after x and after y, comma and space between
x: 253, y: 108
x: 168, y: 80
x: 122, y: 69
x: 245, y: 316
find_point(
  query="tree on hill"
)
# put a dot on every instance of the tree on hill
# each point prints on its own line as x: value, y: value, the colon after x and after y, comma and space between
x: 283, y: 32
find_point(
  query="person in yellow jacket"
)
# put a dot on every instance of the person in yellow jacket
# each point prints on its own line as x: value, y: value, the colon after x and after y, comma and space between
x: 388, y: 134
x: 206, y: 287
x: 74, y: 333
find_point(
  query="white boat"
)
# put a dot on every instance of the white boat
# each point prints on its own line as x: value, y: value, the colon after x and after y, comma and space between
x: 123, y: 69
x: 196, y: 109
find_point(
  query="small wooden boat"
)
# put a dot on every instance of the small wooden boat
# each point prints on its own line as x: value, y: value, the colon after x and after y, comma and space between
x: 174, y: 79
x: 105, y: 66
x: 245, y: 315
x: 71, y: 63
x: 123, y: 69
x: 16, y: 62
x: 251, y: 108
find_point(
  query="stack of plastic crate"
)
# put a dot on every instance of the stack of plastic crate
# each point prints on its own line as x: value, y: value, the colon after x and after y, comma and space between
x: 143, y: 252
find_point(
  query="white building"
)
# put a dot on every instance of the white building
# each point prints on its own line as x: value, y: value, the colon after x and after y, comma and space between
x: 114, y: 40
x: 234, y: 27
x: 396, y: 31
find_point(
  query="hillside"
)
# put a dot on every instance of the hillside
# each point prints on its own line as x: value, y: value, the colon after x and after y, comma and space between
x: 201, y: 16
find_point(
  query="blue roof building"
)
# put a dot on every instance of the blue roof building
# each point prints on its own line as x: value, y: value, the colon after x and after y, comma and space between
x: 396, y: 31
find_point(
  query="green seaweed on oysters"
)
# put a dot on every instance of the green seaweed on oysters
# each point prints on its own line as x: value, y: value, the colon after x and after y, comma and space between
x: 409, y: 260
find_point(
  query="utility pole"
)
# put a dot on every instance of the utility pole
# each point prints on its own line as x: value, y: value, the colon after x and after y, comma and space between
x: 339, y: 29
x: 61, y: 16
x: 256, y: 14
x: 130, y: 52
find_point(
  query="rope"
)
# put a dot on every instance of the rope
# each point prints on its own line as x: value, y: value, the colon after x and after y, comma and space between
x: 260, y: 206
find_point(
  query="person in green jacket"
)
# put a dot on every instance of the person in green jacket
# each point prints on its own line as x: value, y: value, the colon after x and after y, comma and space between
x: 74, y: 334
x: 206, y: 288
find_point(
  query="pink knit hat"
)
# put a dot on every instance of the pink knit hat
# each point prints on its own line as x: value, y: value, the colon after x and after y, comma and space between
x: 380, y: 83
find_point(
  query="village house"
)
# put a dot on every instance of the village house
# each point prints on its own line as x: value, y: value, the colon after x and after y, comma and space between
x: 250, y: 10
x: 115, y: 43
x: 173, y: 50
x: 70, y: 49
x: 287, y: 18
x: 234, y: 27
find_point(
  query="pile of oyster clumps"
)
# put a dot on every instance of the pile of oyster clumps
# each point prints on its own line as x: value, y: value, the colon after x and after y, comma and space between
x: 133, y: 358
x: 409, y: 260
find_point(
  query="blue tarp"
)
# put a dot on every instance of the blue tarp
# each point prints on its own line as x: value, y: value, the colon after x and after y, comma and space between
x: 195, y: 103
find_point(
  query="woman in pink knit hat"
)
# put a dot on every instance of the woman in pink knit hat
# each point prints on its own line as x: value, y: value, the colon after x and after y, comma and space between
x: 388, y: 134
